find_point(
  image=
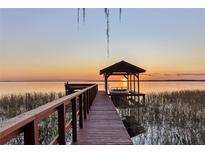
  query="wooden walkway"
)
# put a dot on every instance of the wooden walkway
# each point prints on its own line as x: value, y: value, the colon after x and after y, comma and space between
x: 103, y: 124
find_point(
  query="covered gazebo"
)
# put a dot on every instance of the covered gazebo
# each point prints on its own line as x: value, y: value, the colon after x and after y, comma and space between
x: 129, y: 71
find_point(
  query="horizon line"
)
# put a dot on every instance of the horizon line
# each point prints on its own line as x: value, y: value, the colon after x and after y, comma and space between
x: 159, y: 80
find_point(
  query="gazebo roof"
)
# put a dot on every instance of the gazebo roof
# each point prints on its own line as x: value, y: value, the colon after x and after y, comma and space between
x: 122, y: 67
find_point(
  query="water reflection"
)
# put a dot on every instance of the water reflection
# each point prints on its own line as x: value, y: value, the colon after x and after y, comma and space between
x: 145, y: 87
x: 131, y: 113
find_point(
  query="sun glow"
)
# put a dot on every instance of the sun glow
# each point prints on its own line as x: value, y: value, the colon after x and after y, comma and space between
x: 123, y: 79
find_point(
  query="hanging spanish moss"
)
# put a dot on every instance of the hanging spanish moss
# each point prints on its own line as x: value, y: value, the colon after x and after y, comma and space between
x: 83, y: 15
x: 107, y: 15
x: 120, y: 14
x: 78, y: 14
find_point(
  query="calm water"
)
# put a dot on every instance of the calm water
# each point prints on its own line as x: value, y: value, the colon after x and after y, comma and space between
x: 159, y: 119
x: 146, y: 87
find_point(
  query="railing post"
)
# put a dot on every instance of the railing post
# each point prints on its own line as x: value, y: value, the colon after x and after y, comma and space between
x: 31, y: 133
x: 74, y: 120
x: 87, y: 101
x: 84, y: 105
x: 91, y: 97
x: 81, y: 111
x: 61, y: 124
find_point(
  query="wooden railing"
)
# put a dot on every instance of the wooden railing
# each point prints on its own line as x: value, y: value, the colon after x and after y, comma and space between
x: 28, y: 122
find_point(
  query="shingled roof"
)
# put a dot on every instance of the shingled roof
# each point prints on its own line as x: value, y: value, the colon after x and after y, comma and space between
x: 121, y: 67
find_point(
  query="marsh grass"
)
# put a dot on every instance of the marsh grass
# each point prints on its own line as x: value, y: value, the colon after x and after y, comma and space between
x: 15, y: 104
x: 170, y: 118
x: 12, y: 105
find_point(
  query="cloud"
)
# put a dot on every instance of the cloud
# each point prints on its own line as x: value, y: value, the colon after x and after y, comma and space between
x: 175, y: 74
x: 158, y: 74
x: 166, y: 74
x: 147, y: 74
x: 191, y: 74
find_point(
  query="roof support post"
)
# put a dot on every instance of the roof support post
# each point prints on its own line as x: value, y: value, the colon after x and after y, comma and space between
x: 138, y: 87
x: 138, y: 80
x: 106, y: 88
x: 130, y: 82
x: 134, y: 86
x: 128, y: 87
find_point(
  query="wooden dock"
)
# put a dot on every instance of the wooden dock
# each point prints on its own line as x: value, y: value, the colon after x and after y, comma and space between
x: 99, y: 122
x: 103, y: 124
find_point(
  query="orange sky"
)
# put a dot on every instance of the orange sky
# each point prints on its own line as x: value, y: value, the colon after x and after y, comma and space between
x: 47, y: 44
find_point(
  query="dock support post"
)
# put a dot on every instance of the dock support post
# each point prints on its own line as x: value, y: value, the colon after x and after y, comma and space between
x: 143, y: 100
x: 66, y: 88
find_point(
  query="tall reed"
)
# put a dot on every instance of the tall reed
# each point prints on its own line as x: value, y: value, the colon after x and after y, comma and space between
x: 170, y: 118
x: 15, y: 104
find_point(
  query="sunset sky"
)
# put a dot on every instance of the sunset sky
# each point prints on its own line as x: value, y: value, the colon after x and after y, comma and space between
x: 47, y: 44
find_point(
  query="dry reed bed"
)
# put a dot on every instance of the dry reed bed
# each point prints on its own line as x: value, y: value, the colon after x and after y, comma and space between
x: 14, y: 104
x: 168, y: 118
x: 171, y: 118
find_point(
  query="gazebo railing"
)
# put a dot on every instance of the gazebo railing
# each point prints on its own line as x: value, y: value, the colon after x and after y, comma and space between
x: 118, y: 88
x: 28, y: 122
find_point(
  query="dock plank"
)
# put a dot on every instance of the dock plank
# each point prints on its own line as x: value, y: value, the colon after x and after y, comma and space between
x: 103, y: 125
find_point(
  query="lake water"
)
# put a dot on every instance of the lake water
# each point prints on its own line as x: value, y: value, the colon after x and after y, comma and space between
x: 159, y: 122
x: 146, y: 87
